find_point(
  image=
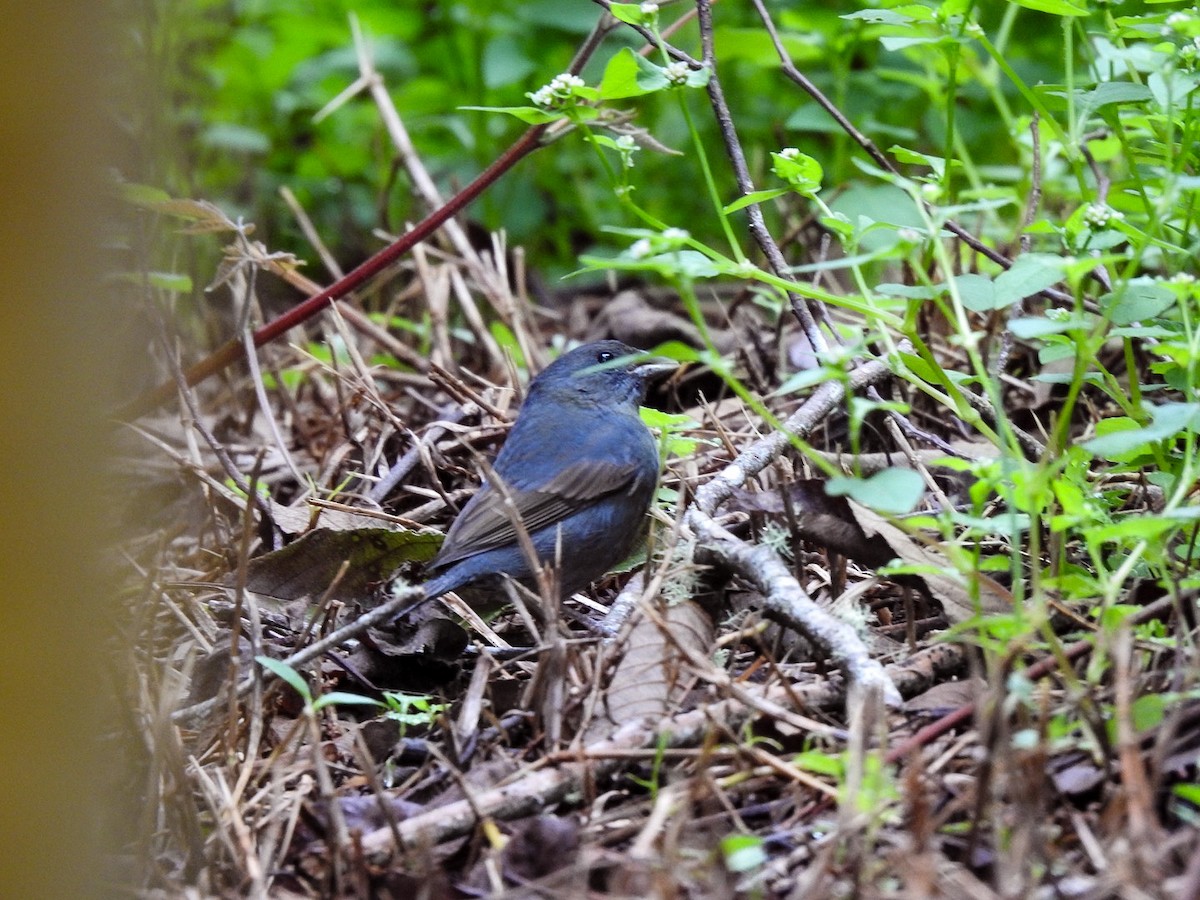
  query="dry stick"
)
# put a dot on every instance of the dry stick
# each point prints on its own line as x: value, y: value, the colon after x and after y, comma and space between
x: 733, y: 148
x: 410, y: 595
x: 383, y: 488
x: 568, y: 772
x: 784, y: 598
x: 230, y: 350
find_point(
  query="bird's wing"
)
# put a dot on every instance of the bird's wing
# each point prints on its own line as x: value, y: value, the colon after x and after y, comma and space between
x: 487, y: 522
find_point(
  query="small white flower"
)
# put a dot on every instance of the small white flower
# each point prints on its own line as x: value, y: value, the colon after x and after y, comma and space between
x: 675, y: 235
x: 640, y: 248
x: 626, y: 144
x: 909, y: 235
x: 789, y: 153
x: 1178, y: 19
x: 1183, y: 278
x: 1098, y: 215
x: 677, y: 73
x: 561, y: 88
x: 649, y: 9
x: 541, y: 97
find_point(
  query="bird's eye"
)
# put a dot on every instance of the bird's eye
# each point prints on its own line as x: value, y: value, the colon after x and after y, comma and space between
x: 605, y: 356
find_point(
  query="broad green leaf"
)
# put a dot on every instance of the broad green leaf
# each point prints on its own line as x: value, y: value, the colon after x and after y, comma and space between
x: 912, y: 157
x: 629, y: 74
x: 1029, y: 327
x: 238, y: 138
x: 1138, y: 527
x: 1029, y: 275
x: 1148, y: 711
x: 921, y: 368
x: 1115, y: 438
x: 1170, y: 88
x: 977, y: 292
x: 892, y: 491
x: 1137, y: 301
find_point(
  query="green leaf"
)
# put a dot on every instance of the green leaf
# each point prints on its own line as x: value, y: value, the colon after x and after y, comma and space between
x: 1137, y: 301
x: 630, y: 75
x: 1188, y: 792
x: 755, y: 197
x: 921, y: 368
x: 743, y: 852
x: 532, y: 115
x: 877, y: 17
x: 820, y: 763
x: 892, y: 491
x: 1148, y: 711
x: 344, y: 698
x: 630, y: 13
x: 508, y: 342
x: 1029, y: 275
x: 238, y: 138
x: 143, y: 194
x: 913, y: 157
x: 286, y: 673
x: 977, y: 292
x: 1029, y: 327
x: 170, y: 281
x: 802, y: 173
x: 1119, y: 436
x: 655, y: 418
x: 1054, y: 7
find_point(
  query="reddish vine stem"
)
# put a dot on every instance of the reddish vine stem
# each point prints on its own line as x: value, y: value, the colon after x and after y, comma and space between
x: 232, y: 349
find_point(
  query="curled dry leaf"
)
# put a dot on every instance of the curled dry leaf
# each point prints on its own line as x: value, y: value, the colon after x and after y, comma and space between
x: 956, y: 597
x: 650, y: 677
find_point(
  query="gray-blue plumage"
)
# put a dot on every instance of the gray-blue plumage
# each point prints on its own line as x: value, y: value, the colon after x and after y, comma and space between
x: 581, y: 469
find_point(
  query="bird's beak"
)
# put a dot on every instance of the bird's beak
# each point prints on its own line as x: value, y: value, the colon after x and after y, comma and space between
x: 653, y: 367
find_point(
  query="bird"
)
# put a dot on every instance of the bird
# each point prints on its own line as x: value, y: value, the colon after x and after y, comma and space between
x: 581, y: 469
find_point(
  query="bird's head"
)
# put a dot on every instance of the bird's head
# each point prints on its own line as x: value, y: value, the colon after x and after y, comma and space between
x: 608, y: 370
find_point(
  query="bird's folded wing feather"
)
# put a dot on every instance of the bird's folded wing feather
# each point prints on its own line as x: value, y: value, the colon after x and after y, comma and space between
x: 487, y: 521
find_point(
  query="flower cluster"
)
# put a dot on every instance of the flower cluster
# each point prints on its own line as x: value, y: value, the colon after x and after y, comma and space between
x: 677, y: 73
x: 556, y: 94
x: 1099, y: 215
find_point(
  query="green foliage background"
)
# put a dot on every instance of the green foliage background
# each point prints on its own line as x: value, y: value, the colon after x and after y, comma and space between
x: 246, y: 78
